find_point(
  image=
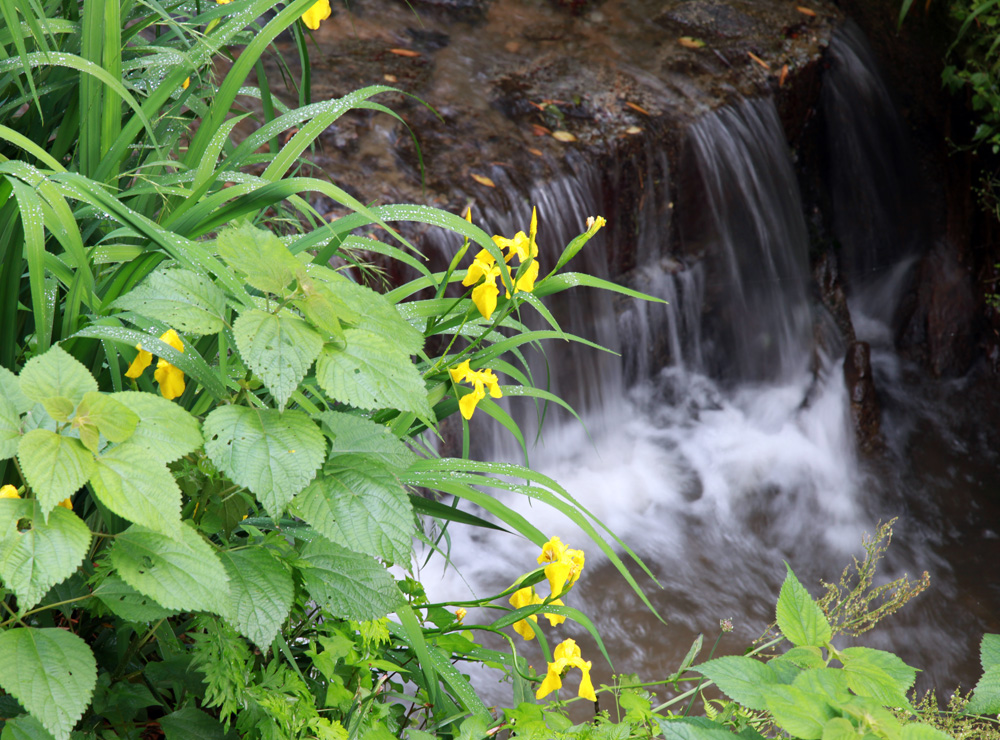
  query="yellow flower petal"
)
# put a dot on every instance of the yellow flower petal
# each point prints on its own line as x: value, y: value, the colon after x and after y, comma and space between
x: 482, y: 266
x: 318, y: 12
x: 8, y: 491
x: 566, y: 650
x: 555, y: 619
x: 460, y: 614
x: 170, y: 378
x: 66, y: 504
x: 467, y: 403
x: 171, y: 338
x: 586, y: 690
x: 484, y: 296
x: 491, y: 381
x: 594, y: 224
x: 186, y: 83
x: 552, y: 682
x: 460, y: 372
x: 533, y: 232
x: 527, y: 280
x: 552, y: 551
x: 139, y: 364
x: 558, y: 574
x: 223, y: 2
x: 519, y: 599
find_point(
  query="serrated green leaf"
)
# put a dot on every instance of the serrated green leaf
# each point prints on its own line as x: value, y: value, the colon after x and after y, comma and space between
x: 35, y: 558
x: 682, y: 729
x: 920, y: 731
x: 56, y: 380
x: 138, y: 486
x: 165, y: 430
x: 800, y: 713
x: 989, y: 651
x: 180, y: 572
x: 261, y: 591
x: 357, y: 502
x: 10, y: 429
x: 183, y: 299
x: 743, y: 679
x: 322, y: 308
x: 280, y: 348
x: 10, y: 390
x: 260, y: 256
x: 840, y: 728
x: 370, y: 372
x: 55, y: 675
x: 877, y: 674
x: 113, y: 419
x: 273, y: 454
x: 55, y: 466
x: 830, y: 683
x: 986, y: 695
x: 373, y: 311
x: 129, y: 604
x: 348, y: 584
x: 24, y: 727
x: 799, y: 617
x: 352, y: 434
x: 191, y: 722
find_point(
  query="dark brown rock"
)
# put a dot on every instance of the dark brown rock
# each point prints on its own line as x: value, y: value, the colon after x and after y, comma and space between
x: 865, y: 410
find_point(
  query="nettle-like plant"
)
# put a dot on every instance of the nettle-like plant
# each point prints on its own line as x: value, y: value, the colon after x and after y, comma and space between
x: 233, y: 513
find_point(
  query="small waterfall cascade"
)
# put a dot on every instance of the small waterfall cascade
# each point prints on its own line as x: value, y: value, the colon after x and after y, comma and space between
x: 719, y: 443
x: 871, y: 179
x: 743, y: 210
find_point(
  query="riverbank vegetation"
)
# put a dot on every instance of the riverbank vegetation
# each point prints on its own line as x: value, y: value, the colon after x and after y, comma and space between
x: 218, y: 442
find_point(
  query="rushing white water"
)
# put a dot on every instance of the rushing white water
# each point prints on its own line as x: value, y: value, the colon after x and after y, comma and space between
x: 720, y: 443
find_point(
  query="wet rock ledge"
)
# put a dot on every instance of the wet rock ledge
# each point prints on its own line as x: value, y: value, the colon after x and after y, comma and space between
x: 523, y: 91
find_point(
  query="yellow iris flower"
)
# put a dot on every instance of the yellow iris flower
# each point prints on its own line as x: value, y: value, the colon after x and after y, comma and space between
x: 66, y: 504
x: 480, y: 381
x: 567, y: 655
x: 318, y: 12
x: 485, y: 268
x: 563, y: 565
x: 8, y: 491
x: 170, y: 378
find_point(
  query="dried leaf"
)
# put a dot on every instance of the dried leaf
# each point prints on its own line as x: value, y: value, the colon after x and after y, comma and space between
x: 806, y: 11
x: 759, y: 61
x: 540, y: 130
x: 404, y: 52
x: 390, y: 78
x: 633, y: 130
x: 783, y: 76
x: 564, y: 136
x: 639, y: 108
x: 536, y: 152
x: 689, y: 42
x: 483, y: 180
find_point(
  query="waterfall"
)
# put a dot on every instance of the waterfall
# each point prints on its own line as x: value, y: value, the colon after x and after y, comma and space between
x: 719, y: 444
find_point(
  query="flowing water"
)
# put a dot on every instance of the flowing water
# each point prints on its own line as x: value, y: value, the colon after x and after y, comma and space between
x: 720, y: 444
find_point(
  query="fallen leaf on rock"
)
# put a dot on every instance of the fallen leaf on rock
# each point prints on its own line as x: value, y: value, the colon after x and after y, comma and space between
x: 483, y: 180
x: 690, y: 43
x: 540, y: 130
x: 390, y: 78
x: 759, y: 61
x: 404, y: 52
x: 633, y: 130
x: 564, y: 136
x: 783, y: 76
x: 639, y: 108
x: 806, y: 11
x: 536, y: 152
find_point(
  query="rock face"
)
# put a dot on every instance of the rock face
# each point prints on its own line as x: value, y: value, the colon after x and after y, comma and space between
x: 588, y: 104
x: 865, y: 410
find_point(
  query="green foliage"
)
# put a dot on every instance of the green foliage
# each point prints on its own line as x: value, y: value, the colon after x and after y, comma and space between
x: 204, y: 547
